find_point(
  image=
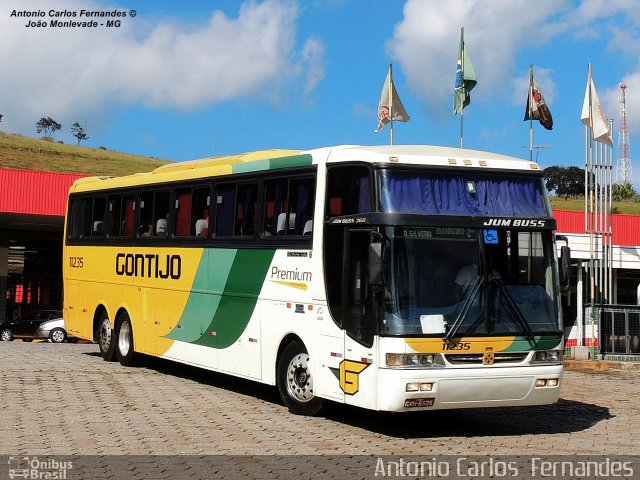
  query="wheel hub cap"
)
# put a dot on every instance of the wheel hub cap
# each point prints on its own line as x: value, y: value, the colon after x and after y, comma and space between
x: 105, y: 335
x: 299, y: 381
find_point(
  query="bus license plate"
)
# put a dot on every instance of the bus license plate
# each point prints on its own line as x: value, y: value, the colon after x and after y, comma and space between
x: 418, y: 402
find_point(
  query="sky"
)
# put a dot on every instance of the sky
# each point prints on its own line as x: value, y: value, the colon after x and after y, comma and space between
x: 185, y: 80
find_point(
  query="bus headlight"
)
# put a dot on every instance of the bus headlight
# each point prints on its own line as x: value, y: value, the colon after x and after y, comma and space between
x: 549, y: 357
x: 415, y: 360
x: 419, y: 387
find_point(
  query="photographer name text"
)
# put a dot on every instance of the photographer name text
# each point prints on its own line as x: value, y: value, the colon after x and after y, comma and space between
x: 72, y: 18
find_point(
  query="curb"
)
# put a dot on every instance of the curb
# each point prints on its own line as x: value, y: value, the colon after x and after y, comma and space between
x: 600, y: 365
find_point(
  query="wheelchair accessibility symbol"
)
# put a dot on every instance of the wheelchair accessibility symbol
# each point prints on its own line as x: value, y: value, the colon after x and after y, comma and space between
x: 490, y: 236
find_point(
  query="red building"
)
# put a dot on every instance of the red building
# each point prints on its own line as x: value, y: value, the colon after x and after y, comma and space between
x: 32, y: 208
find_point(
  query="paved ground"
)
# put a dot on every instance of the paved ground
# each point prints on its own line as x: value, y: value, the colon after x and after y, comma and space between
x: 65, y: 400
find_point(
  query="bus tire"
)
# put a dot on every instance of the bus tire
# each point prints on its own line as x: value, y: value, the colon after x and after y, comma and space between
x: 124, y: 342
x: 106, y: 338
x: 295, y: 381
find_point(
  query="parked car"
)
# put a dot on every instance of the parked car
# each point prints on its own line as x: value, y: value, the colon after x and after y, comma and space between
x: 37, y: 324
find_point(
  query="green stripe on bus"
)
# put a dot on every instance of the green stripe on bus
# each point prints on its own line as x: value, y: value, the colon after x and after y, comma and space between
x: 542, y: 342
x: 205, y: 295
x: 216, y: 316
x: 240, y: 297
x: 273, y: 163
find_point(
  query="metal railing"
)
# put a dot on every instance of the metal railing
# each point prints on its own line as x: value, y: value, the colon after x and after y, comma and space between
x: 619, y: 330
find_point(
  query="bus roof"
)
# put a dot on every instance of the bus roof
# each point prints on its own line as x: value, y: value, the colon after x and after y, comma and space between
x: 427, y: 155
x: 282, y: 158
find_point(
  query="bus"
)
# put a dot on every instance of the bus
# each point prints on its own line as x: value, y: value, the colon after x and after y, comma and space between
x: 392, y: 278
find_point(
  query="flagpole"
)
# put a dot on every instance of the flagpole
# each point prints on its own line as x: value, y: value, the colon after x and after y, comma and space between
x: 530, y: 113
x: 391, y: 104
x: 463, y: 84
x: 590, y: 218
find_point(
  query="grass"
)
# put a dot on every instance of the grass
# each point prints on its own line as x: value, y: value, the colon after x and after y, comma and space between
x: 28, y: 153
x: 577, y: 204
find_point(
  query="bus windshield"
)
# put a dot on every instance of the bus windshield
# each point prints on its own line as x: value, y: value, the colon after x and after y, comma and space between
x: 449, y: 193
x: 467, y: 281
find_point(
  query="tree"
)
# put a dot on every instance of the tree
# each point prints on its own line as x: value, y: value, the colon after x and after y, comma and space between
x: 79, y: 132
x: 624, y: 191
x: 0, y: 117
x: 47, y: 125
x: 564, y: 181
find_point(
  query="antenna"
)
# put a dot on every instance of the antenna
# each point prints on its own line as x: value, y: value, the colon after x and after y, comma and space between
x: 623, y: 165
x: 537, y: 148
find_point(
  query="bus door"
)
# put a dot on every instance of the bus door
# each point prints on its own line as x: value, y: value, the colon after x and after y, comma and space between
x: 358, y: 370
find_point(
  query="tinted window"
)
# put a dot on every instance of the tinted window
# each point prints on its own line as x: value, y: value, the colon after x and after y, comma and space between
x: 348, y: 191
x: 289, y: 207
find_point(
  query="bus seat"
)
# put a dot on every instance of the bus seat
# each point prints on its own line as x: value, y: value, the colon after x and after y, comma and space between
x: 201, y: 224
x: 161, y: 227
x: 308, y: 227
x: 282, y: 218
x: 98, y: 227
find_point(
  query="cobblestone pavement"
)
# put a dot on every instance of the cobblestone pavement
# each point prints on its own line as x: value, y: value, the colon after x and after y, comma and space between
x: 65, y: 400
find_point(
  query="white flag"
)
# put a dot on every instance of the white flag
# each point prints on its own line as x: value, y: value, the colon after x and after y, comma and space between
x: 594, y: 117
x: 385, y: 106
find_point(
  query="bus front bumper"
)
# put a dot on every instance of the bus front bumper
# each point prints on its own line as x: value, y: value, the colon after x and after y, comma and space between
x: 449, y: 388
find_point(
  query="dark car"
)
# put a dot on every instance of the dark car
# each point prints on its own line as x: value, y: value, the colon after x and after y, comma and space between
x: 37, y: 324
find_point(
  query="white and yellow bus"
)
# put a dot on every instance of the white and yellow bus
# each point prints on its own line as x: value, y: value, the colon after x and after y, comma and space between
x: 395, y: 278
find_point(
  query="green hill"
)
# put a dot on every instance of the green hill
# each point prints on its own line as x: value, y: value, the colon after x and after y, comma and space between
x: 28, y: 153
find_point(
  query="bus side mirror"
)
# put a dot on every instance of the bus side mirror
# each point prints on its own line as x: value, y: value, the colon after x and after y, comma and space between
x: 565, y: 267
x: 375, y: 262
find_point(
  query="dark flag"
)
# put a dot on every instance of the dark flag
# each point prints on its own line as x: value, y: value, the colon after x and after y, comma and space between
x: 536, y: 106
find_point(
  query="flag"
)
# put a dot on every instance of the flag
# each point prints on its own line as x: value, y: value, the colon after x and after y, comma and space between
x: 538, y: 110
x: 465, y: 78
x: 387, y: 104
x: 593, y: 116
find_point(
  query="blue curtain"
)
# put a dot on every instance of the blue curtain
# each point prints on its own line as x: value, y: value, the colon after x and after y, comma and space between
x: 449, y: 194
x: 248, y: 211
x: 277, y: 204
x: 364, y: 200
x: 225, y: 214
x: 302, y: 208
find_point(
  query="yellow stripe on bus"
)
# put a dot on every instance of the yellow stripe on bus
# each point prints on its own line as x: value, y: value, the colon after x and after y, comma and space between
x: 298, y: 285
x: 461, y: 345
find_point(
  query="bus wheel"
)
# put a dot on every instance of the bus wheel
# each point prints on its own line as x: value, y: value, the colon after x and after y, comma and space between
x: 295, y: 381
x: 105, y: 338
x: 124, y: 345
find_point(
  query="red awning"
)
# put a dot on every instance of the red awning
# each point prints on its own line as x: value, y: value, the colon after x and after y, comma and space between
x: 33, y: 192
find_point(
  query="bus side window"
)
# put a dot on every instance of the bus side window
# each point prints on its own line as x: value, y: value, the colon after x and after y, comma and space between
x: 225, y: 206
x: 348, y: 191
x: 201, y: 200
x: 145, y: 212
x: 182, y: 213
x: 161, y: 214
x: 74, y: 221
x: 115, y: 215
x: 128, y: 216
x: 302, y: 194
x: 87, y: 207
x: 289, y: 207
x: 275, y: 218
x: 244, y: 224
x: 97, y: 217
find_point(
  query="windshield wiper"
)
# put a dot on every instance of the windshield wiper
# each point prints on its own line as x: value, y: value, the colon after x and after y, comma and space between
x: 515, y: 311
x: 475, y: 287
